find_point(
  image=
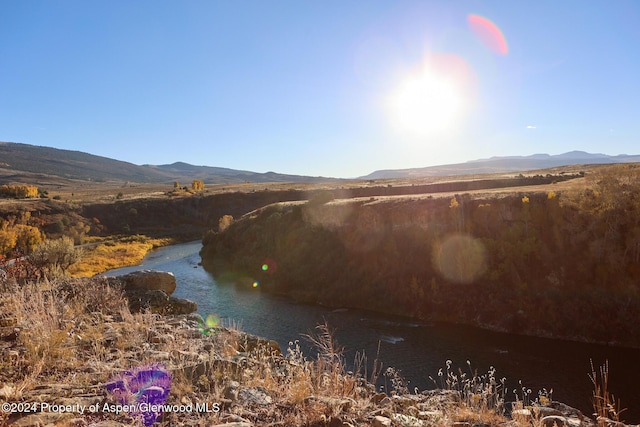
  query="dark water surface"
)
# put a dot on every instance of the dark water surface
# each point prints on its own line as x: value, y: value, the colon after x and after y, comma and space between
x: 417, y: 349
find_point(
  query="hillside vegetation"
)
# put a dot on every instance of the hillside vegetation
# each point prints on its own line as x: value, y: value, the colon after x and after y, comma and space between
x: 542, y: 263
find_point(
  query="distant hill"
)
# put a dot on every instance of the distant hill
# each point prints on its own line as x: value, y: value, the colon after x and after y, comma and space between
x: 505, y: 164
x: 219, y: 175
x: 47, y: 161
x: 18, y: 160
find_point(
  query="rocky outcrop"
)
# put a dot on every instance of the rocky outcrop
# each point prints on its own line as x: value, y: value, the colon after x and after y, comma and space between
x: 150, y: 280
x: 158, y: 302
x: 149, y: 290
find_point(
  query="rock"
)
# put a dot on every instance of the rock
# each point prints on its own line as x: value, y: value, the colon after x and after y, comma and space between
x: 380, y: 421
x: 180, y: 306
x: 251, y: 343
x: 545, y: 411
x: 231, y: 391
x: 406, y: 420
x: 149, y: 280
x: 254, y: 396
x: 566, y: 410
x: 159, y: 302
x: 553, y: 421
x: 7, y: 392
x: 523, y: 414
x: 404, y: 401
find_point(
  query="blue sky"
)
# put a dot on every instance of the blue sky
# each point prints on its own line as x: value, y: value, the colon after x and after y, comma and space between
x: 332, y: 88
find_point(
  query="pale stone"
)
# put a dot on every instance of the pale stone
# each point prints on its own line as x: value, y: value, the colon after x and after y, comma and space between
x: 380, y: 421
x: 406, y: 420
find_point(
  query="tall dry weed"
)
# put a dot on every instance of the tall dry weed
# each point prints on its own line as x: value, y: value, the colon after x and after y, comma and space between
x: 605, y: 405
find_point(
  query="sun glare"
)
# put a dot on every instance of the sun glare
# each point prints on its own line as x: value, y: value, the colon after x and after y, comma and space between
x: 427, y: 102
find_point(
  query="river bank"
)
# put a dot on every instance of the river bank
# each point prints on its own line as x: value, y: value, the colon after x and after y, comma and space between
x: 417, y: 350
x: 210, y: 374
x: 533, y: 264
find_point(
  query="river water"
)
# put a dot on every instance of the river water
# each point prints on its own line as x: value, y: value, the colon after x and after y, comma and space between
x: 417, y: 349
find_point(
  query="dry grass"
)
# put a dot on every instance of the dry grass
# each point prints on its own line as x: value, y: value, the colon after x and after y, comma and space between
x: 106, y: 255
x: 81, y: 332
x: 64, y: 325
x: 480, y: 397
x: 605, y: 405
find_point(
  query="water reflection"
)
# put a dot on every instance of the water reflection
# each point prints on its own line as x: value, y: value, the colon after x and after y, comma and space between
x: 417, y: 349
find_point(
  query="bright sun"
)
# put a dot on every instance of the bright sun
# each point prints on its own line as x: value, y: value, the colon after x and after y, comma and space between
x: 426, y: 103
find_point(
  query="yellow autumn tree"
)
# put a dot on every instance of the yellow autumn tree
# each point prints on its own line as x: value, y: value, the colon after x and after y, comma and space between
x: 28, y: 237
x: 19, y: 191
x: 8, y: 240
x: 197, y: 185
x: 225, y: 222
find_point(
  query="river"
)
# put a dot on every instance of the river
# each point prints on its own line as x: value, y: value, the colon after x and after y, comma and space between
x: 417, y: 349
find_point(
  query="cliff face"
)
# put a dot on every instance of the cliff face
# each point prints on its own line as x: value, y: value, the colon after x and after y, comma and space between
x: 537, y: 264
x: 193, y: 215
x: 185, y: 215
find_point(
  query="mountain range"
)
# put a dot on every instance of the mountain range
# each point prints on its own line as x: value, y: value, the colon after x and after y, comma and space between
x: 506, y: 164
x: 20, y: 160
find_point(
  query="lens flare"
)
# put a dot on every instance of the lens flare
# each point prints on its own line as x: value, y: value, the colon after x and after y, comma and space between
x: 330, y: 216
x: 205, y: 326
x: 269, y: 266
x: 488, y: 33
x: 147, y: 384
x: 256, y: 284
x: 460, y: 258
x: 212, y: 320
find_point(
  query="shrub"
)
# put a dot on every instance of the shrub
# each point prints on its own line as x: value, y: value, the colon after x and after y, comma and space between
x: 56, y: 256
x: 225, y: 222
